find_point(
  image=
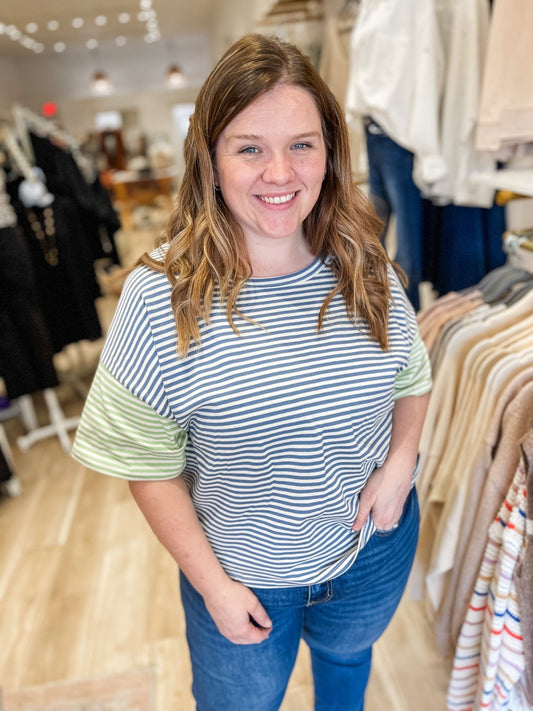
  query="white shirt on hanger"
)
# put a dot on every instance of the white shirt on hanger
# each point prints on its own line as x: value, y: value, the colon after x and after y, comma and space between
x: 396, y: 76
x: 464, y: 28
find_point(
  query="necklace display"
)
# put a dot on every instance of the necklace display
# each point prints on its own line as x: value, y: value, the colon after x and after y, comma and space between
x: 45, y: 234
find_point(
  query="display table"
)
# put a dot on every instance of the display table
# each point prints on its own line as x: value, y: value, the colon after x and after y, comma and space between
x: 132, y: 188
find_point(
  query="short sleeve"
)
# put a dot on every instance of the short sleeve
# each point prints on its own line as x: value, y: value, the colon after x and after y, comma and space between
x: 122, y: 436
x: 416, y: 378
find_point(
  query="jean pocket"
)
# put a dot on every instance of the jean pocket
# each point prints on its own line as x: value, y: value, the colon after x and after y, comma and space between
x: 384, y: 532
x: 410, y: 502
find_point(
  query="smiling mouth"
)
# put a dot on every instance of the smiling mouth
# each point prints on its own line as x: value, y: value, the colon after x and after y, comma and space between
x: 278, y: 200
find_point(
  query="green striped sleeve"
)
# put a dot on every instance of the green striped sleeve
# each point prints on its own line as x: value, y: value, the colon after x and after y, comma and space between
x: 121, y: 436
x: 416, y: 378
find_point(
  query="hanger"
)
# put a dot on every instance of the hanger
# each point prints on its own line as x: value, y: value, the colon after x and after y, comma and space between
x: 26, y: 119
x: 32, y: 190
x: 13, y: 149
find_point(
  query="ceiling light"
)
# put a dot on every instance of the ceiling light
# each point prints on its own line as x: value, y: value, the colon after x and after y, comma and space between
x: 2, y: 28
x: 101, y: 20
x: 101, y: 84
x: 15, y: 34
x: 59, y: 47
x: 91, y: 43
x: 120, y: 41
x: 78, y: 22
x: 142, y: 16
x: 38, y: 47
x: 145, y: 4
x: 27, y: 42
x: 124, y: 18
x: 175, y: 77
x: 152, y: 37
x: 32, y: 27
x: 53, y: 25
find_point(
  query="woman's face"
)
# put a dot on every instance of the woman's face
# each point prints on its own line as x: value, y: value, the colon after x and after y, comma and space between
x: 270, y: 164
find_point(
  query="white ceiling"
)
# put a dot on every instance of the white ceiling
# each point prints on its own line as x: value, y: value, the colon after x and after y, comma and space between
x: 174, y: 17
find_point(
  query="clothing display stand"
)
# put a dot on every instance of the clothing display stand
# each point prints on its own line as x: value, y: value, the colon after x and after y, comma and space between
x: 78, y: 368
x: 12, y: 486
x: 59, y: 426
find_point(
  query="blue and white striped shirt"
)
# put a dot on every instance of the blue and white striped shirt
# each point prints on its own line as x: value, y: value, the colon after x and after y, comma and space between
x: 276, y: 429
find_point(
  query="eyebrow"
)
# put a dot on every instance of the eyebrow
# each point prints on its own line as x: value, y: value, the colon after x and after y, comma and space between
x: 253, y: 137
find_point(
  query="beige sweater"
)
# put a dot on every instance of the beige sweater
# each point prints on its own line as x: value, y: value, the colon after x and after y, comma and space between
x: 516, y: 423
x: 515, y: 376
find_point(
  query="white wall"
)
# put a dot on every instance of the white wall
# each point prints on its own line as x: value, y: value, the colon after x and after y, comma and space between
x: 234, y: 18
x: 9, y: 83
x: 153, y: 110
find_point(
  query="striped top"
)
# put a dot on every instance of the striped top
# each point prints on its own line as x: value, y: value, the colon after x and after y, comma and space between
x: 276, y: 429
x: 489, y: 659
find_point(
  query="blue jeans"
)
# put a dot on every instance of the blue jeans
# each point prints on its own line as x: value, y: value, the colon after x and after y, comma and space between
x: 339, y: 619
x: 393, y: 192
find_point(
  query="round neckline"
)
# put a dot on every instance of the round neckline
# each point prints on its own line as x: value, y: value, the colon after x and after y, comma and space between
x: 300, y: 275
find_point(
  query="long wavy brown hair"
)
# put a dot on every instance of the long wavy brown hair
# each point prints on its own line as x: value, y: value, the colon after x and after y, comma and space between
x: 206, y: 253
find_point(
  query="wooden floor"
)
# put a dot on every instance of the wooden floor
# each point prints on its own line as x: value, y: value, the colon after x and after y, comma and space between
x: 87, y: 591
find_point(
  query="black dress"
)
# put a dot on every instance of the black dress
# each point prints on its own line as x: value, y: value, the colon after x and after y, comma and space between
x: 26, y: 351
x: 99, y: 219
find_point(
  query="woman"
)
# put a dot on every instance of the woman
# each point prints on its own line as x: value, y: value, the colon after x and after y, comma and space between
x: 263, y: 387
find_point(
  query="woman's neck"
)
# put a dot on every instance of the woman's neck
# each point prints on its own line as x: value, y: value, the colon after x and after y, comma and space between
x: 279, y: 259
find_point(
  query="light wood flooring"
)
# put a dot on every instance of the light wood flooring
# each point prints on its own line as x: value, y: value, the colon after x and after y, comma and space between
x: 87, y: 591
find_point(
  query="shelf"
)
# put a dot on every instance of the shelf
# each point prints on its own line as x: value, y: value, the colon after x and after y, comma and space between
x: 519, y: 181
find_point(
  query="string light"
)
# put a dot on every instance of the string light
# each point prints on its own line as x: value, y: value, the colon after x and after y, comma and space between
x: 146, y: 15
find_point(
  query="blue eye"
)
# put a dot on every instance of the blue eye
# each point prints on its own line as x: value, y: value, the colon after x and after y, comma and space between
x: 249, y: 149
x: 301, y: 145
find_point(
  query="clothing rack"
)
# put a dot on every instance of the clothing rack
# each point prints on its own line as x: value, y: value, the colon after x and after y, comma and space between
x: 518, y: 245
x: 12, y: 486
x: 26, y: 119
x: 17, y: 155
x: 59, y: 424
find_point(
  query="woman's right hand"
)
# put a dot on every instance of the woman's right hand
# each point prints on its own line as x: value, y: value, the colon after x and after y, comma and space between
x: 238, y: 614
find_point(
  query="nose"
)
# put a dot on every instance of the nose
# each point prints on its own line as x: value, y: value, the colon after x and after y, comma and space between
x: 278, y: 169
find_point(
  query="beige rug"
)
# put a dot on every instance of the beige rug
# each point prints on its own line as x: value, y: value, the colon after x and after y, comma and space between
x: 129, y: 691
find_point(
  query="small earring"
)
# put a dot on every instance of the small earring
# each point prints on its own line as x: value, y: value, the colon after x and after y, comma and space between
x: 324, y: 177
x: 217, y: 188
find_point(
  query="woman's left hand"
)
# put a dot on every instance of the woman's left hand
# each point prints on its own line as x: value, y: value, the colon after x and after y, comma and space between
x: 383, y: 496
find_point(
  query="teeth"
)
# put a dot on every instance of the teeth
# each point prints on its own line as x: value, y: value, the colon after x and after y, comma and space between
x: 278, y: 200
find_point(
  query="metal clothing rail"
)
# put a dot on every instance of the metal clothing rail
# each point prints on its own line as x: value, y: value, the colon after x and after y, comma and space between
x: 518, y: 245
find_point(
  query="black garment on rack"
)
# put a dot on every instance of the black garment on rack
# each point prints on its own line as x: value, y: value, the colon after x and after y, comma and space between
x: 99, y: 219
x: 67, y: 291
x: 26, y: 352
